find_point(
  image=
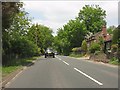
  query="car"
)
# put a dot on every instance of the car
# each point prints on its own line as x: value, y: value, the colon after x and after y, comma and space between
x: 49, y: 52
x: 56, y: 53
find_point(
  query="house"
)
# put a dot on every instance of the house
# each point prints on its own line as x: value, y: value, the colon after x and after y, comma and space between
x: 96, y: 38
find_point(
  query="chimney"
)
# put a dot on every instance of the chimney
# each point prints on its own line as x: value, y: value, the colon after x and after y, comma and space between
x: 104, y: 31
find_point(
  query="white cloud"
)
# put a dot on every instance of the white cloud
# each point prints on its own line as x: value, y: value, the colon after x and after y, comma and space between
x: 56, y: 13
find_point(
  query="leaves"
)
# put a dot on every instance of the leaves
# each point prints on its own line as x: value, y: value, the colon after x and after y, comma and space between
x: 93, y: 18
x: 90, y: 20
x: 40, y: 35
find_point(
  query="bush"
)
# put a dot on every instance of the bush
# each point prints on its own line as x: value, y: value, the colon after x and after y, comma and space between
x: 114, y: 48
x: 115, y: 36
x: 75, y: 55
x: 97, y: 53
x: 24, y: 48
x: 84, y: 46
x: 94, y: 47
x: 114, y: 60
x: 76, y: 50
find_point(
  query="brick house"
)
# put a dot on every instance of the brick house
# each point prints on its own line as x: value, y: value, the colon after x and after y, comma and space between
x: 96, y: 38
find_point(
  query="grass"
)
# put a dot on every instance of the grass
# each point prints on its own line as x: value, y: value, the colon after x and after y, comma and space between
x: 114, y: 62
x: 7, y: 70
x: 16, y: 64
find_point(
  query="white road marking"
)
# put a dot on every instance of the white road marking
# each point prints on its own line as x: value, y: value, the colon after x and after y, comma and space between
x: 66, y: 63
x: 13, y: 78
x: 63, y: 61
x: 88, y: 76
x: 58, y: 58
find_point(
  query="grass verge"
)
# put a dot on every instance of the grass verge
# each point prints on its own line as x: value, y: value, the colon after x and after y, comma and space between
x: 16, y: 64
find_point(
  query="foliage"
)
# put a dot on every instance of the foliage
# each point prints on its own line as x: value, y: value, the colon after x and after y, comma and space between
x: 94, y: 47
x: 101, y: 42
x: 110, y: 29
x: 9, y: 10
x: 84, y: 46
x: 93, y: 17
x: 97, y: 52
x: 15, y: 41
x: 77, y: 50
x: 114, y: 48
x: 71, y: 35
x: 75, y: 55
x: 24, y: 47
x: 16, y: 64
x: 114, y: 60
x: 115, y: 39
x: 7, y: 70
x: 41, y: 36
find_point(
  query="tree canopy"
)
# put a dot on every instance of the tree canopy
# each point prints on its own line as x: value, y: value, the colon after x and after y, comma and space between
x: 90, y: 20
x: 21, y: 38
x: 93, y: 17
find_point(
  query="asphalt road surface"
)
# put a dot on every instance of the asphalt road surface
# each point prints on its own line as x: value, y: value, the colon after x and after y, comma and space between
x: 66, y: 72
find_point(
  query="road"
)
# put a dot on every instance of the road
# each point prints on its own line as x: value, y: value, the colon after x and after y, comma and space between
x: 66, y: 72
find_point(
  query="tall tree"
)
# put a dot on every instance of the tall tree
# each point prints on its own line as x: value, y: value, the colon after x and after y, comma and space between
x: 71, y: 35
x: 93, y: 17
x: 9, y: 10
x: 41, y: 35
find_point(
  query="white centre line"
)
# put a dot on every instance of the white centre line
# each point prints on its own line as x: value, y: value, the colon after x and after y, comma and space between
x: 58, y: 58
x: 66, y: 63
x: 88, y: 76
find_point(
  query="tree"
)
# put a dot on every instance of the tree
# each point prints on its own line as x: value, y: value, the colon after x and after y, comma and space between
x: 71, y: 35
x: 14, y: 36
x: 93, y: 17
x: 115, y: 39
x: 9, y: 10
x: 41, y: 36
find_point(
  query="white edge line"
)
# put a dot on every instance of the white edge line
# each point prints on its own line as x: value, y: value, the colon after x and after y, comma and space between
x: 88, y: 76
x: 66, y: 63
x: 13, y: 78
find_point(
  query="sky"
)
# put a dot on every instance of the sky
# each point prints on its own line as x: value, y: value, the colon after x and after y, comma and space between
x: 55, y: 14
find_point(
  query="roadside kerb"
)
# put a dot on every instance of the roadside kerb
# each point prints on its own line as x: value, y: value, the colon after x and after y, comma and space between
x: 89, y: 60
x: 13, y: 74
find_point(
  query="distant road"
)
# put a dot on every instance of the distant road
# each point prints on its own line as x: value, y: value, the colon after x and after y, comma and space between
x: 66, y: 72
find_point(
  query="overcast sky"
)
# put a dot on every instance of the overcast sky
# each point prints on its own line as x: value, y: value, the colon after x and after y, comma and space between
x: 57, y: 13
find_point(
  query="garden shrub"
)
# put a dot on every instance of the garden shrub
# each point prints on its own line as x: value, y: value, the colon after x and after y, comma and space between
x: 114, y: 48
x: 84, y: 46
x: 94, y: 47
x: 76, y: 50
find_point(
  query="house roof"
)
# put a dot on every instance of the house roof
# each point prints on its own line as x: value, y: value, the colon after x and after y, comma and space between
x: 103, y: 33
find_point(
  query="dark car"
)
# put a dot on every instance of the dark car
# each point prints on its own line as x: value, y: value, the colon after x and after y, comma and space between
x: 49, y: 52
